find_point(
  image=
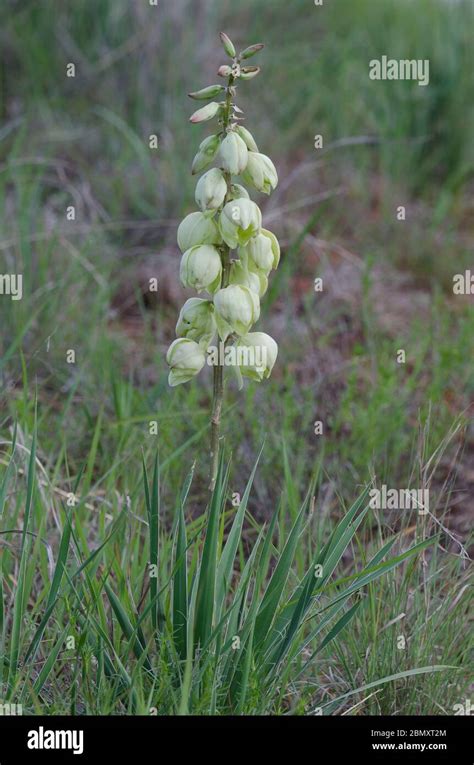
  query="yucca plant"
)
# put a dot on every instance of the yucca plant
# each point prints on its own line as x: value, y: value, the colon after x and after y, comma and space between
x: 230, y: 631
x: 226, y: 252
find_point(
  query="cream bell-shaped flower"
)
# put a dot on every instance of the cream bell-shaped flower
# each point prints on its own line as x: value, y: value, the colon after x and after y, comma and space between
x: 185, y: 359
x: 260, y: 173
x: 239, y: 221
x: 196, y: 321
x: 233, y: 154
x: 239, y: 307
x: 211, y: 190
x: 196, y: 229
x: 264, y: 250
x: 201, y: 268
x: 256, y: 354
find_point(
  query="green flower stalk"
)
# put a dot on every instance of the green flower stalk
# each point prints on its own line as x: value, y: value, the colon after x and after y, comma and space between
x: 225, y: 251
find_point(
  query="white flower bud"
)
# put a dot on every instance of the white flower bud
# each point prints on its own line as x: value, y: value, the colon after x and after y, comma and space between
x: 206, y: 153
x: 240, y: 220
x: 196, y: 321
x: 206, y: 113
x: 196, y: 229
x: 260, y: 172
x: 201, y: 268
x: 239, y: 307
x: 211, y: 190
x: 185, y: 359
x: 233, y: 154
x: 257, y: 353
x: 264, y: 250
x: 247, y: 137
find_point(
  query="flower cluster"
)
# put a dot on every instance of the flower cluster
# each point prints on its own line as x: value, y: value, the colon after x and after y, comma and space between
x: 226, y: 253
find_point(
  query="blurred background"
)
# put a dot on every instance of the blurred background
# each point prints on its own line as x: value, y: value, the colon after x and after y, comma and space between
x: 84, y: 141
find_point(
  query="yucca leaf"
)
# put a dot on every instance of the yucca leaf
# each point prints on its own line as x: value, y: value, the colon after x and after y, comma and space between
x: 152, y: 500
x: 334, y: 632
x: 207, y: 570
x: 226, y: 562
x: 375, y: 572
x: 180, y: 579
x: 292, y: 616
x: 127, y: 628
x: 278, y: 580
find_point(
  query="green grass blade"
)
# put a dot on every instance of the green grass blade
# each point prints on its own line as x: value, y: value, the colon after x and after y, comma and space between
x: 8, y: 472
x: 50, y: 662
x: 20, y: 595
x: 388, y: 679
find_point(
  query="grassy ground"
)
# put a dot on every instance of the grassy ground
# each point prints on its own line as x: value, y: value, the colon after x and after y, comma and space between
x: 83, y: 141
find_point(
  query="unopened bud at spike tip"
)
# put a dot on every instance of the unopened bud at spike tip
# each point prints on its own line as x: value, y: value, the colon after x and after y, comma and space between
x: 206, y: 113
x: 249, y: 72
x: 229, y: 46
x: 224, y: 71
x: 209, y: 92
x: 251, y: 50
